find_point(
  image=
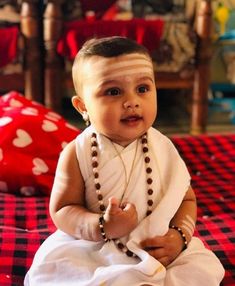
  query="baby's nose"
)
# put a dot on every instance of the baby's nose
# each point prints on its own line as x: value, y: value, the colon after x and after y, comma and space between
x: 131, y: 103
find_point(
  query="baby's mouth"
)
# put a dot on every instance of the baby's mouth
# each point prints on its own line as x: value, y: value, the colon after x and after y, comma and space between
x: 131, y: 118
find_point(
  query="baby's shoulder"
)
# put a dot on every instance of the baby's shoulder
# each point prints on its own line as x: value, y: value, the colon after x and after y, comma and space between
x: 69, y: 149
x: 84, y: 136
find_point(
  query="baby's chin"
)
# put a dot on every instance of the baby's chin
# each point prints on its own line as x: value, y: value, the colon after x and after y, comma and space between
x: 123, y: 140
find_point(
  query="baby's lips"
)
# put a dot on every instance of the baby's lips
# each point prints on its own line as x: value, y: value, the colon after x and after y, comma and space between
x: 132, y: 118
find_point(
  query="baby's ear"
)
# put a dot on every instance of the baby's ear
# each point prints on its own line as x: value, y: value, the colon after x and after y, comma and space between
x: 78, y: 104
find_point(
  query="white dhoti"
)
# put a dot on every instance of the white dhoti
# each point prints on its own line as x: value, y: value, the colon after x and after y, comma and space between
x: 64, y: 260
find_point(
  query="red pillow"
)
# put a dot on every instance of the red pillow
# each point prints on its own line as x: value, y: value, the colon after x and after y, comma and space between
x: 31, y: 139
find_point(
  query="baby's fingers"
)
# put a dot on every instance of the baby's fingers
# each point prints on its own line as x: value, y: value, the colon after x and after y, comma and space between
x: 161, y: 255
x: 113, y: 206
x: 153, y: 243
x: 128, y: 207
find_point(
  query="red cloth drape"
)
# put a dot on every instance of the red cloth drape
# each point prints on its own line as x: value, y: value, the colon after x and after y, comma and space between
x: 8, y: 44
x: 147, y: 33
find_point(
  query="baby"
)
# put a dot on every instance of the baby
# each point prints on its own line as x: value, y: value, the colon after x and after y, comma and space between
x: 121, y: 199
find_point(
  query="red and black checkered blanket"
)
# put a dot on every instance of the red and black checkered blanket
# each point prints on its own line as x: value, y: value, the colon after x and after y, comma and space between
x: 25, y: 221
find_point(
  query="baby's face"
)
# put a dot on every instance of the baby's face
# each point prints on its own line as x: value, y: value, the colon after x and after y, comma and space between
x: 120, y: 95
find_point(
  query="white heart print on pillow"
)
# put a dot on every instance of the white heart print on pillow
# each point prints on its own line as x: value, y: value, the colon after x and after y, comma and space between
x: 39, y: 167
x: 23, y: 139
x: 30, y: 111
x: 5, y: 120
x: 15, y: 103
x: 53, y: 116
x: 49, y: 126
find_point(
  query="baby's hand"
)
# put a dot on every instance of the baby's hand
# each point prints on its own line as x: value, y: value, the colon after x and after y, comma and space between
x: 119, y: 220
x: 164, y: 248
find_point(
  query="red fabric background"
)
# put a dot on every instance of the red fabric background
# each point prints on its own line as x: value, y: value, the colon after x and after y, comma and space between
x: 147, y: 33
x: 8, y: 44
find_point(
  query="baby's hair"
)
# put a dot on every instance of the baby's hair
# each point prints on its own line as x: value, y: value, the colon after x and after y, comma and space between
x: 107, y: 47
x: 111, y: 47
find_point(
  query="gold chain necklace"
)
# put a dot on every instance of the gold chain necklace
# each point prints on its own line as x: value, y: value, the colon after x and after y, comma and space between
x: 127, y: 179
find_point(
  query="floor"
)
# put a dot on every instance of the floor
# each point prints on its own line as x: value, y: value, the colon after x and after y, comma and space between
x: 173, y: 115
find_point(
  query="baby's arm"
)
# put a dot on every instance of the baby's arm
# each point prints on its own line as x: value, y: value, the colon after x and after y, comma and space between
x: 68, y: 208
x: 67, y: 202
x: 166, y: 248
x: 186, y: 216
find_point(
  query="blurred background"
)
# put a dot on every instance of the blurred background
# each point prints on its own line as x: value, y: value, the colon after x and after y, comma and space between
x: 174, y: 112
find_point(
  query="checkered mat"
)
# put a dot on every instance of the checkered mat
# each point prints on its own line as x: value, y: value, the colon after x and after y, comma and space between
x: 211, y: 162
x: 25, y: 222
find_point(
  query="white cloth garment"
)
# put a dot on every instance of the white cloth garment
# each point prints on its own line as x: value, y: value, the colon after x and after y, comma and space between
x: 64, y: 260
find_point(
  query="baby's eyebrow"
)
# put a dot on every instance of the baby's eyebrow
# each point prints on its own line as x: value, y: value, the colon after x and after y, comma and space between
x: 115, y: 82
x: 146, y: 78
x: 109, y: 82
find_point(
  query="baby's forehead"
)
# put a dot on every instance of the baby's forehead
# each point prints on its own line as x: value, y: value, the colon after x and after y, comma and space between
x: 120, y: 60
x: 103, y: 66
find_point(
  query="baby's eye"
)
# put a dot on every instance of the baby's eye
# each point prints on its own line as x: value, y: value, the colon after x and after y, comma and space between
x: 142, y: 89
x: 113, y: 91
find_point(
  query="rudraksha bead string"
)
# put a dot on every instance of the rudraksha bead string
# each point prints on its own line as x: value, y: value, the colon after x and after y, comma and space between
x: 149, y: 181
x: 148, y: 170
x: 101, y: 225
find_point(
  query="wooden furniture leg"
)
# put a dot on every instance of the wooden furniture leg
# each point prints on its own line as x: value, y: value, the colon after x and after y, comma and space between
x: 33, y: 63
x: 202, y: 73
x: 53, y: 71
